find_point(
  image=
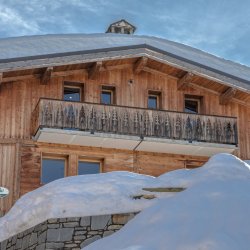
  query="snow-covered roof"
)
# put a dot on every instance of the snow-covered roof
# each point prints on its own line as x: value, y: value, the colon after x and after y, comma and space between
x: 15, y: 51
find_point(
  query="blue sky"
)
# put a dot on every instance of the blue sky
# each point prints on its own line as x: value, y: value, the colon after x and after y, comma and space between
x: 220, y: 27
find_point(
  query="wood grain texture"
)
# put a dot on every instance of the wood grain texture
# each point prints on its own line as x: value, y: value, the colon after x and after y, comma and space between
x: 9, y: 174
x: 18, y: 100
x: 112, y: 160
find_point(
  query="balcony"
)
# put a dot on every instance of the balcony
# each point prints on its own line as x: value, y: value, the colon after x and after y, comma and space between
x: 97, y: 125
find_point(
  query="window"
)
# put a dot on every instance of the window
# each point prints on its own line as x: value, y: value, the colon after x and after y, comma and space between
x: 89, y: 167
x: 73, y: 91
x: 192, y: 104
x: 108, y: 95
x: 52, y: 169
x: 154, y: 99
x: 126, y: 31
x: 117, y: 30
x: 72, y: 94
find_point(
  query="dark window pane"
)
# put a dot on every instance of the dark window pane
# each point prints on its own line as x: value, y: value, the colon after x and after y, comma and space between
x: 152, y: 102
x: 117, y: 30
x: 126, y: 31
x: 106, y: 97
x: 72, y: 94
x: 52, y: 169
x: 191, y: 106
x: 85, y: 167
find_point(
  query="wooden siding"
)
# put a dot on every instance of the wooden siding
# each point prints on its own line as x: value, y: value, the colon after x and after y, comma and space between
x: 112, y: 159
x: 19, y: 99
x: 9, y: 173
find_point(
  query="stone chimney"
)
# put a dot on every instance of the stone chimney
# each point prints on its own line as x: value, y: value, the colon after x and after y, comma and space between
x: 121, y: 27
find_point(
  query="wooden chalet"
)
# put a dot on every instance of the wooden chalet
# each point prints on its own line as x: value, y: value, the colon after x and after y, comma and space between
x: 81, y: 104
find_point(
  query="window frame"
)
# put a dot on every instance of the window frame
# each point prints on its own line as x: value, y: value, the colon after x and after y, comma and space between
x: 110, y: 89
x: 198, y: 99
x: 54, y: 157
x: 158, y: 95
x: 84, y: 159
x: 74, y: 85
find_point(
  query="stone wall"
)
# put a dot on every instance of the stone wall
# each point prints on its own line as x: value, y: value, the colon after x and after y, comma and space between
x: 66, y: 233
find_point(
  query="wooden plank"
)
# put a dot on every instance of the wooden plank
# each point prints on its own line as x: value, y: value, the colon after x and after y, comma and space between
x: 61, y: 73
x: 184, y: 81
x: 94, y: 70
x: 227, y: 96
x: 140, y: 64
x: 1, y: 79
x: 46, y: 76
x: 69, y: 72
x: 72, y: 168
x: 8, y: 170
x: 157, y: 72
x: 115, y: 67
x: 199, y: 87
x: 151, y: 163
x: 21, y: 78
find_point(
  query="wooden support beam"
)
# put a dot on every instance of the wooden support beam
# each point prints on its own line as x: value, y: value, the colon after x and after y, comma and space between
x: 227, y: 96
x: 119, y: 66
x: 1, y: 79
x: 183, y: 82
x: 94, y: 70
x: 69, y: 72
x: 21, y: 78
x: 46, y: 76
x: 196, y: 86
x: 156, y: 72
x: 140, y: 64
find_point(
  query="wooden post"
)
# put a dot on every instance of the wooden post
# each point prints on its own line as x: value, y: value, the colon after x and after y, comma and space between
x: 1, y: 80
x: 72, y: 168
x: 227, y: 96
x: 184, y: 81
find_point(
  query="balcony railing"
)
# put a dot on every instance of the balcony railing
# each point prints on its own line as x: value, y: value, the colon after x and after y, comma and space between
x: 133, y: 121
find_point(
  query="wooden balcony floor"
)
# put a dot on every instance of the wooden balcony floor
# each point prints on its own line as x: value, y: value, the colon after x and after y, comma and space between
x: 128, y: 142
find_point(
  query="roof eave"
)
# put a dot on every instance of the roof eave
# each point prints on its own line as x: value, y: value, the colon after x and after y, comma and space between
x: 128, y: 52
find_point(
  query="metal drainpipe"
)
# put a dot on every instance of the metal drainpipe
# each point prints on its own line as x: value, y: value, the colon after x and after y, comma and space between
x: 142, y: 138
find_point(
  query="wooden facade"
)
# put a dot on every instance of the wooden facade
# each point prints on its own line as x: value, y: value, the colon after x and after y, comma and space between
x: 27, y: 94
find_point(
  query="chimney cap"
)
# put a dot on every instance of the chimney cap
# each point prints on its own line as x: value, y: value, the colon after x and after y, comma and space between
x: 121, y: 27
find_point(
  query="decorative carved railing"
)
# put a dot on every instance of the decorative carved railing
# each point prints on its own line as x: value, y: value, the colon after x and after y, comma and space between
x: 134, y: 121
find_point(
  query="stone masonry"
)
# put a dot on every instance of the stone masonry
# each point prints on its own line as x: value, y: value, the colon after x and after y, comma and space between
x: 66, y: 233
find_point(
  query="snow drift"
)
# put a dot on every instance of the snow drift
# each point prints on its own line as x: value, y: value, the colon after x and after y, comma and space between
x: 212, y: 213
x: 76, y: 196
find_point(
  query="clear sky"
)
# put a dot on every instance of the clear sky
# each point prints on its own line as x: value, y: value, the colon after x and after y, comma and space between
x: 220, y: 27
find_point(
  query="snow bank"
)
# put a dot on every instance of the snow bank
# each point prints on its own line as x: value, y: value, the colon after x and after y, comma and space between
x: 76, y: 196
x: 212, y: 213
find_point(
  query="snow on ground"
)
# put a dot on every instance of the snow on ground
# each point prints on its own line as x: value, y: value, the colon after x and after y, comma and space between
x: 107, y: 193
x: 212, y: 213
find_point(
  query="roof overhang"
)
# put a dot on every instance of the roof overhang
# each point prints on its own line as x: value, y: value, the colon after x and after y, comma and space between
x: 124, y: 52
